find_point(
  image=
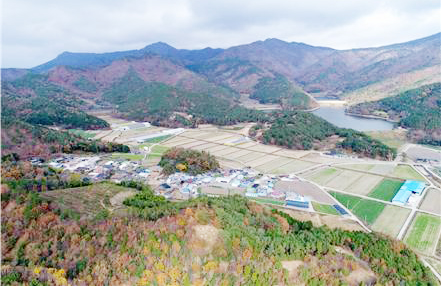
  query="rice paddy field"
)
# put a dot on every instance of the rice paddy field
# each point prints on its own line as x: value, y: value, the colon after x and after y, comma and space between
x: 423, y: 233
x: 268, y: 167
x: 364, y: 209
x: 292, y: 167
x: 391, y: 220
x: 343, y: 180
x: 364, y: 185
x: 323, y: 176
x: 386, y: 189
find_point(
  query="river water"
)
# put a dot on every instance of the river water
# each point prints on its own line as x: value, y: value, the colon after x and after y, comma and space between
x: 336, y: 115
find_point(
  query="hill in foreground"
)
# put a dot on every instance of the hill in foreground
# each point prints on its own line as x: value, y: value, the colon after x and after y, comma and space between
x: 205, y: 241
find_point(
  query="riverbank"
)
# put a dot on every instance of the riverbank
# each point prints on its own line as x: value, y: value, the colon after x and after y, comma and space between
x: 336, y: 102
x: 370, y: 117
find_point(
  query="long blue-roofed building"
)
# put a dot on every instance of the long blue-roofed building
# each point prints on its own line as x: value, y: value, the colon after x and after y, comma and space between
x: 409, y: 188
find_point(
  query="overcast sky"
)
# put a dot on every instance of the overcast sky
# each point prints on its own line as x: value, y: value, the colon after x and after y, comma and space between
x: 36, y: 31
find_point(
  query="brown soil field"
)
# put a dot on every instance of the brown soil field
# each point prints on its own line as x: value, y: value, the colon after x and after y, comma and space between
x: 423, y: 153
x: 432, y: 201
x: 391, y: 220
x: 305, y: 189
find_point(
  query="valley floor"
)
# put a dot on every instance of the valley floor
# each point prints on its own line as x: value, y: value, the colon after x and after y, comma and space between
x: 355, y: 192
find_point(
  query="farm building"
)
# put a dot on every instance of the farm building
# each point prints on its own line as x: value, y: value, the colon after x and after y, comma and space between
x: 296, y: 200
x: 407, y: 189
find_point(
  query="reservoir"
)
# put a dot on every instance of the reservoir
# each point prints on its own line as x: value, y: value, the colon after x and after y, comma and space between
x: 336, y: 115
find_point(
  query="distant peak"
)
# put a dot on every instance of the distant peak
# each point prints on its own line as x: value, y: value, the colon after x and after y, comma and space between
x: 161, y: 45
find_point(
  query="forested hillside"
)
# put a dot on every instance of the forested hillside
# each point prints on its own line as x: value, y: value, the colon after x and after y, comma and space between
x: 35, y: 100
x: 30, y: 105
x: 159, y: 103
x: 418, y: 110
x: 217, y: 241
x: 300, y: 130
x: 280, y: 90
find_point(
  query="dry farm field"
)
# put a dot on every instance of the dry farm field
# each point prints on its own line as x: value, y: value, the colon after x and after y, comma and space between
x: 391, y: 220
x: 305, y: 189
x: 418, y: 152
x: 432, y: 201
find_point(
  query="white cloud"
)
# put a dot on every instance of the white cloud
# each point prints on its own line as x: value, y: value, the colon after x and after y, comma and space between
x: 34, y: 32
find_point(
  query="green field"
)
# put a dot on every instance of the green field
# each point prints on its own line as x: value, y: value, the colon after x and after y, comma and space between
x: 364, y: 209
x: 82, y: 133
x: 157, y: 139
x: 128, y: 156
x: 386, y: 189
x: 406, y: 172
x: 328, y: 209
x: 423, y: 233
x: 346, y: 200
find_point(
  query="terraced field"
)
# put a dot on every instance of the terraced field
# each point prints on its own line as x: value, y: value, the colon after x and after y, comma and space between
x: 292, y: 167
x: 424, y: 233
x: 323, y: 176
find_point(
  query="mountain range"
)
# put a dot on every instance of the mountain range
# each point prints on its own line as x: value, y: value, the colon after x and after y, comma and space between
x: 315, y: 70
x: 159, y: 81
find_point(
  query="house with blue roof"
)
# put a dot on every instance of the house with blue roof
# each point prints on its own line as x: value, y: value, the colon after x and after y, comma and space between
x: 409, y: 188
